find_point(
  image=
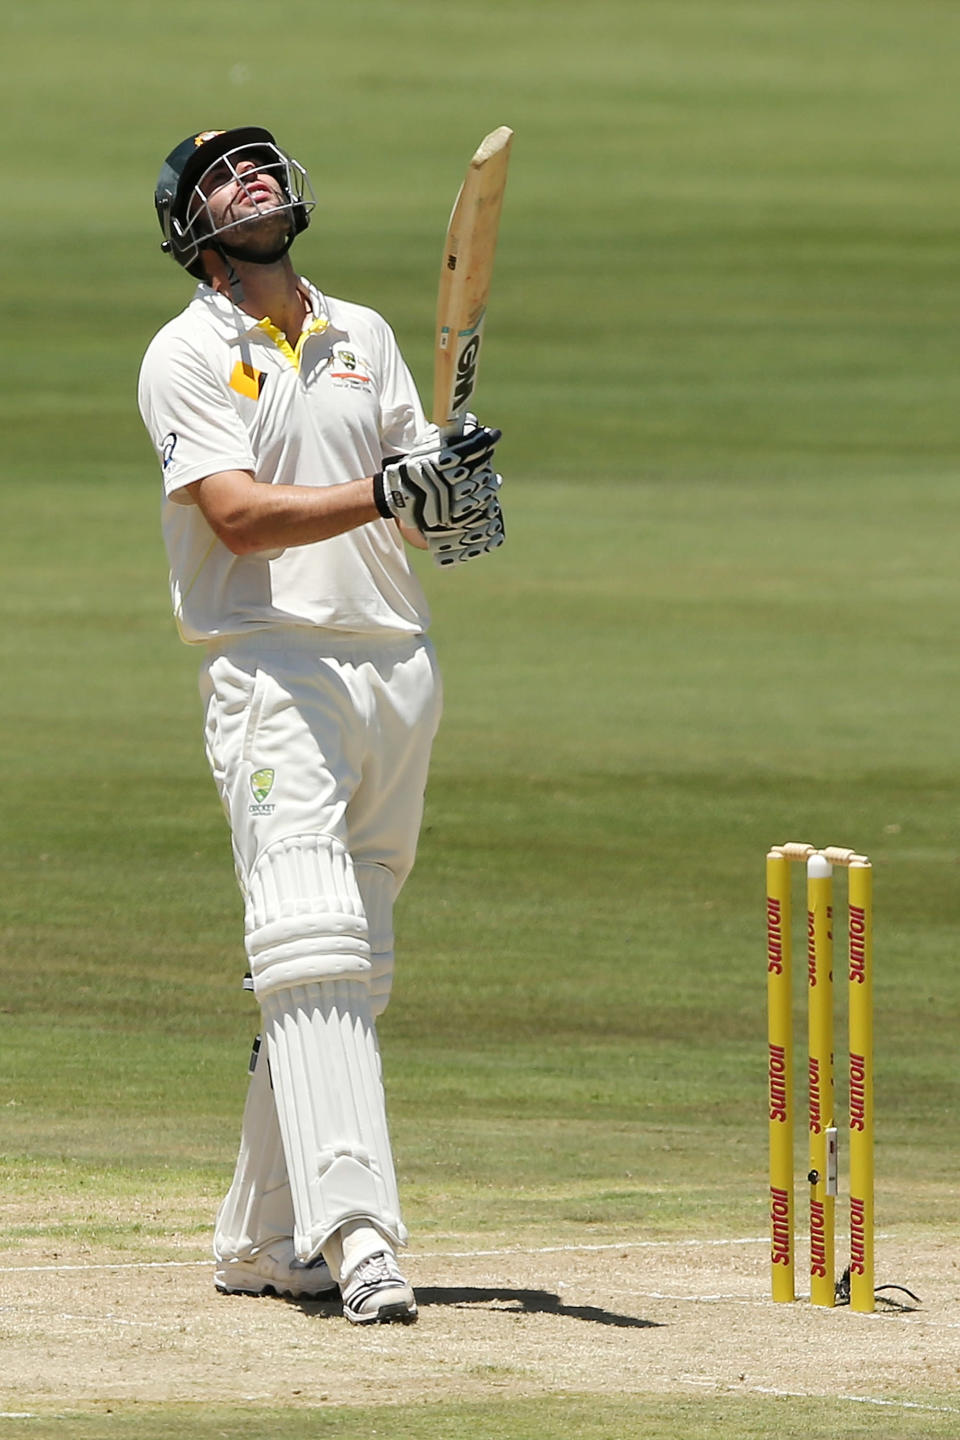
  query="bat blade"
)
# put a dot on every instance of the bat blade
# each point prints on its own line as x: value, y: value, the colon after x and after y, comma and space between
x: 465, y: 275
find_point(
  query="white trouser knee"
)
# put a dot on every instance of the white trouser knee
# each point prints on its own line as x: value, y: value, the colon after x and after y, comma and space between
x: 309, y: 953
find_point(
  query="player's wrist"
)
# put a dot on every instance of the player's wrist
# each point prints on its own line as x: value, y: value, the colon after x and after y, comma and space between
x: 380, y: 497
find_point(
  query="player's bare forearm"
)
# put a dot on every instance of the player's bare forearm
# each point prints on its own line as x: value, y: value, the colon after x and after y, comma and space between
x: 248, y: 517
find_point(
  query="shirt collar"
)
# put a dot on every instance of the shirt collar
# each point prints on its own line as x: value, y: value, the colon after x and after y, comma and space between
x: 234, y: 324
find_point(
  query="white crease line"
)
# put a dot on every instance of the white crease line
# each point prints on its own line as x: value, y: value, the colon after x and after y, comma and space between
x: 38, y: 1310
x: 113, y: 1320
x: 413, y: 1255
x: 585, y: 1249
x: 122, y: 1265
x: 858, y: 1400
x: 910, y: 1314
x: 710, y: 1299
x: 592, y: 1249
x: 432, y: 1254
x: 764, y: 1300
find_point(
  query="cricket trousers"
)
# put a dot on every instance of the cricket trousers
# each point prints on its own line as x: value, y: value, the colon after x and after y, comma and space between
x: 319, y: 744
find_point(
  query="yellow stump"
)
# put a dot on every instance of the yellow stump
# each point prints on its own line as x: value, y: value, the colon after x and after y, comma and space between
x: 820, y: 1054
x: 860, y: 978
x: 780, y: 1073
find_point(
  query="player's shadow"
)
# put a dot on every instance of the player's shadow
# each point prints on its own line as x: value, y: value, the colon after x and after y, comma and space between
x: 514, y: 1302
x: 527, y: 1302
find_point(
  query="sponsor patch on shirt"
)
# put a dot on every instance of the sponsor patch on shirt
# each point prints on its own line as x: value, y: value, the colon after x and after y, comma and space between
x: 167, y: 446
x: 246, y: 380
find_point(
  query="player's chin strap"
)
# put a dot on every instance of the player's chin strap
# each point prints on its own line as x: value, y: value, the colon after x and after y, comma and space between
x: 229, y: 253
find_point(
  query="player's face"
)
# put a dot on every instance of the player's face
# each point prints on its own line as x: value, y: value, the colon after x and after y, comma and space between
x: 245, y: 200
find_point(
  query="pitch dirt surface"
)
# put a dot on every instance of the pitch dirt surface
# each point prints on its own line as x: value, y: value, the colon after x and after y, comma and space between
x: 617, y: 1319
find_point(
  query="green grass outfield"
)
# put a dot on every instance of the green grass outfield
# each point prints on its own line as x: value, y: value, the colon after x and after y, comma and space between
x: 555, y: 1419
x: 723, y: 348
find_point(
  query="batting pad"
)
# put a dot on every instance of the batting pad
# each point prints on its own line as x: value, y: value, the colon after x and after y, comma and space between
x: 378, y: 887
x: 304, y: 915
x: 309, y: 952
x: 325, y: 1064
x: 257, y: 1208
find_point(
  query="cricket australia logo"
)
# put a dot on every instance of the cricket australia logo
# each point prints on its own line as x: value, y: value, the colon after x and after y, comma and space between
x: 261, y: 783
x: 351, y: 371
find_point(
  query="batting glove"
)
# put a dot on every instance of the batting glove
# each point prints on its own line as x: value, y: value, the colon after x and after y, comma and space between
x: 482, y: 534
x: 438, y: 485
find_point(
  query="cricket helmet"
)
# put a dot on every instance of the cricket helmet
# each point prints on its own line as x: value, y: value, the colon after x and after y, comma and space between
x: 182, y: 206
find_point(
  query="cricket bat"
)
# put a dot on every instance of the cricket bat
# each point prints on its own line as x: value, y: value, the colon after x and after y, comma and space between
x: 465, y: 276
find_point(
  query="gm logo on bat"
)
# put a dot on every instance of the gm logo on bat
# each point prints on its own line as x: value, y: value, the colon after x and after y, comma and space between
x: 466, y: 371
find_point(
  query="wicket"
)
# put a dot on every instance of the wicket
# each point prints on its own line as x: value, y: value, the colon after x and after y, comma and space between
x: 823, y: 1166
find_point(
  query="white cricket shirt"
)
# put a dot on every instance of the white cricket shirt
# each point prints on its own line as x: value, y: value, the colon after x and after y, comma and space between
x: 221, y: 391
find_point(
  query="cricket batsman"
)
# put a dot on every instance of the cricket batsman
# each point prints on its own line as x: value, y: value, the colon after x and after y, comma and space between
x: 297, y: 465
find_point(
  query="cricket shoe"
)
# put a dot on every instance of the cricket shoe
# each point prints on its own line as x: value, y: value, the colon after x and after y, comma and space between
x: 276, y: 1271
x: 377, y: 1293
